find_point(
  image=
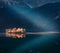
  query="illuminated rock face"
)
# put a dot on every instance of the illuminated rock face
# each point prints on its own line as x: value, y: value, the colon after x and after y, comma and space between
x: 15, y: 32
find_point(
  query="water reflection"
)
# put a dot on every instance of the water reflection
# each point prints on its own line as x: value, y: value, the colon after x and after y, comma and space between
x: 15, y: 35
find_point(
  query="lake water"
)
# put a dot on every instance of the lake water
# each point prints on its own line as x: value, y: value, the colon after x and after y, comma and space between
x: 29, y: 44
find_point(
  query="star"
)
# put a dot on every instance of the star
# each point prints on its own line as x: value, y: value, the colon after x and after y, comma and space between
x: 57, y: 17
x: 30, y: 51
x: 57, y: 43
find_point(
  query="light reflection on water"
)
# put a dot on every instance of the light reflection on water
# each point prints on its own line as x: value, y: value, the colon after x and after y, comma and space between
x: 10, y: 43
x: 15, y: 35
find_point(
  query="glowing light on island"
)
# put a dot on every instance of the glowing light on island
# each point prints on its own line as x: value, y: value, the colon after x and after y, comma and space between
x: 15, y: 32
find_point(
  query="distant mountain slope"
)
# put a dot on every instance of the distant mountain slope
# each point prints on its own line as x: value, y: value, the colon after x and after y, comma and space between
x: 51, y: 8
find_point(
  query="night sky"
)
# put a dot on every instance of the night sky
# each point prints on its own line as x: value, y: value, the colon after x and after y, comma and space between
x: 34, y: 17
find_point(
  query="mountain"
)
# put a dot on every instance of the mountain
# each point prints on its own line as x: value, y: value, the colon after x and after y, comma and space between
x: 50, y: 8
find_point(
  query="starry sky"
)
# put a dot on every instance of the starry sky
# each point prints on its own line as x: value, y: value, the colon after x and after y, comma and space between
x: 34, y: 16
